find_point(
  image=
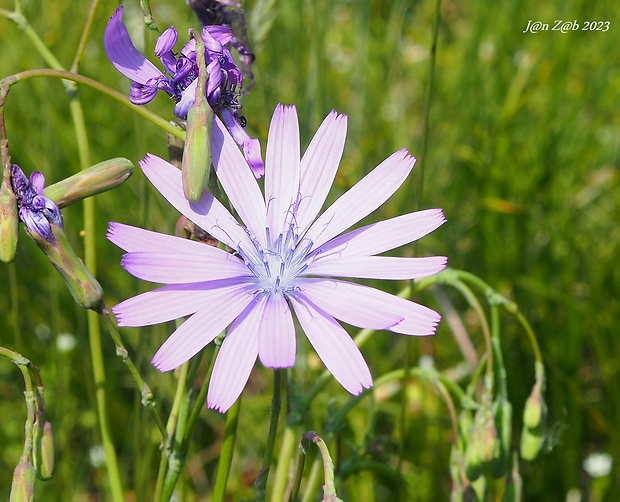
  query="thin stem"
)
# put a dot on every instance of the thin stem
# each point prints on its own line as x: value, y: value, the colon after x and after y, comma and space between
x: 147, y: 397
x: 104, y: 89
x: 226, y: 452
x: 181, y: 444
x: 85, y: 34
x: 17, y: 334
x: 261, y: 481
x: 96, y: 354
x: 287, y: 450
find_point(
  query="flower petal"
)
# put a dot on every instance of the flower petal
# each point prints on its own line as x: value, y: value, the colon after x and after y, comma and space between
x: 200, y: 329
x: 122, y: 53
x: 170, y: 302
x: 188, y: 96
x: 333, y: 345
x: 383, y: 235
x: 276, y: 333
x: 133, y: 239
x: 174, y: 268
x: 251, y: 146
x: 238, y: 181
x: 235, y: 361
x: 208, y: 213
x: 363, y: 198
x: 378, y: 267
x: 319, y: 165
x: 367, y: 307
x: 282, y: 168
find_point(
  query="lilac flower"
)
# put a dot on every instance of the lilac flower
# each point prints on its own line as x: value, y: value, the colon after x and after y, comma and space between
x: 35, y: 209
x: 285, y: 259
x: 179, y: 78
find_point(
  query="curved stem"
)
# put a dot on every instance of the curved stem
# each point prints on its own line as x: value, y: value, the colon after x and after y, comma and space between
x: 104, y: 89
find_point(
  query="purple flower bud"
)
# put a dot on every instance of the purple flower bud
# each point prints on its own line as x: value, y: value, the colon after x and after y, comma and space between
x: 36, y: 210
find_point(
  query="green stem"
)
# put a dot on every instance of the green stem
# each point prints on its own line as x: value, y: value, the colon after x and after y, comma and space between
x: 427, y: 105
x: 287, y: 450
x: 104, y: 89
x: 226, y: 453
x: 94, y: 337
x: 260, y: 484
x: 85, y: 34
x: 147, y: 397
x: 181, y: 443
x: 17, y: 334
x: 430, y: 375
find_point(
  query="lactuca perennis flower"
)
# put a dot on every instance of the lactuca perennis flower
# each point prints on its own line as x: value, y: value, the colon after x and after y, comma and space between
x: 179, y: 77
x: 285, y: 259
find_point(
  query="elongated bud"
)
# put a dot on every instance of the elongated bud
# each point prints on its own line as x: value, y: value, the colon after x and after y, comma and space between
x: 532, y: 441
x: 473, y: 462
x: 84, y: 288
x: 43, y: 450
x: 96, y: 179
x: 8, y: 222
x: 22, y: 487
x: 514, y: 486
x: 498, y: 466
x: 535, y: 409
x: 9, y: 219
x: 487, y: 432
x: 196, y: 162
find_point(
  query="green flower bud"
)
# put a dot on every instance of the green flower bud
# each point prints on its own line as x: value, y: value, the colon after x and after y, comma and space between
x: 8, y: 221
x: 531, y: 443
x: 43, y: 450
x: 96, y: 179
x: 84, y: 288
x: 535, y: 410
x: 499, y: 464
x: 514, y: 486
x: 196, y: 162
x: 473, y: 462
x: 22, y: 487
x: 489, y: 443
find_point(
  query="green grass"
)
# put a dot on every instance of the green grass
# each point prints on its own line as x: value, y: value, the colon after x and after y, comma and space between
x: 523, y: 157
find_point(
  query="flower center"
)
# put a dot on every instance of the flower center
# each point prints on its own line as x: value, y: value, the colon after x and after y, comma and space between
x: 284, y: 259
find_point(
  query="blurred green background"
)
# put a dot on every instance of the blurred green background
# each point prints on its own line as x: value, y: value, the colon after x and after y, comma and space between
x: 523, y: 157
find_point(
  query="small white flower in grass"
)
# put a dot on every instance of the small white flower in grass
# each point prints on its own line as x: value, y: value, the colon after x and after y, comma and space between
x: 284, y: 260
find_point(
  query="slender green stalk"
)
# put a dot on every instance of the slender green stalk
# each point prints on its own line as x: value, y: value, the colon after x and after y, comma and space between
x: 299, y: 471
x: 147, y: 397
x: 260, y: 484
x: 85, y: 34
x: 96, y: 354
x: 149, y: 20
x: 181, y: 444
x: 17, y: 334
x: 287, y: 450
x: 104, y: 89
x: 226, y: 452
